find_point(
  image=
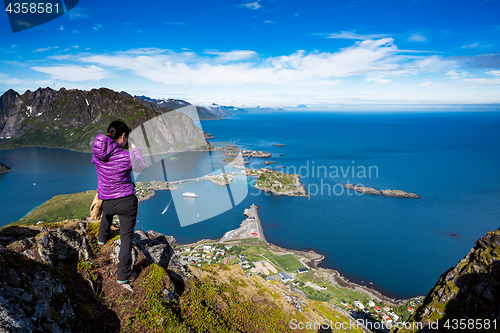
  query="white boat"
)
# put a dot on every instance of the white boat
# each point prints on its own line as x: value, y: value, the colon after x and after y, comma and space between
x: 189, y: 195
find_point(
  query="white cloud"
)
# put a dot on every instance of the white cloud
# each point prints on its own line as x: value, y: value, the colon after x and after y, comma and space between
x: 435, y: 64
x: 43, y: 49
x: 75, y: 14
x: 74, y: 73
x: 268, y: 21
x: 471, y: 46
x: 377, y: 59
x: 417, y: 38
x: 481, y: 82
x: 6, y: 79
x: 495, y: 72
x: 71, y: 47
x: 425, y: 84
x: 378, y: 80
x: 98, y: 27
x: 484, y: 81
x: 453, y: 74
x: 253, y: 5
x: 60, y: 57
x: 353, y: 35
x: 236, y: 55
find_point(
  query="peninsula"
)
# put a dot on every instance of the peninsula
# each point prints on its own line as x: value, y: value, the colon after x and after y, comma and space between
x: 230, y: 150
x: 4, y: 168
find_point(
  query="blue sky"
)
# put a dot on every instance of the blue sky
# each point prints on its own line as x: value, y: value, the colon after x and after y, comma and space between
x: 268, y: 52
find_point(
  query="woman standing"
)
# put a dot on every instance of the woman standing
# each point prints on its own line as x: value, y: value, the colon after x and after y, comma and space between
x: 116, y: 189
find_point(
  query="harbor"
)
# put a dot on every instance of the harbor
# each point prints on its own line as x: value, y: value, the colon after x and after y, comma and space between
x: 251, y: 227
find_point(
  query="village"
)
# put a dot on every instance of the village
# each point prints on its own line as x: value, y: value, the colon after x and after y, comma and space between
x: 247, y: 247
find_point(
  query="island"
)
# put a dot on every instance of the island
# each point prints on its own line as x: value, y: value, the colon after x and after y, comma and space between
x: 235, y: 161
x: 278, y: 145
x: 222, y: 179
x: 255, y: 153
x: 399, y: 194
x: 362, y: 189
x: 208, y: 136
x: 278, y: 182
x: 146, y: 190
x: 387, y: 193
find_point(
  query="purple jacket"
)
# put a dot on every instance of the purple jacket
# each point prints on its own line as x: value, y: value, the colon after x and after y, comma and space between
x: 113, y: 166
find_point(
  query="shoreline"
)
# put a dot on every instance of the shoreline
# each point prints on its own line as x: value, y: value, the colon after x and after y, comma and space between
x: 90, y: 151
x: 335, y: 277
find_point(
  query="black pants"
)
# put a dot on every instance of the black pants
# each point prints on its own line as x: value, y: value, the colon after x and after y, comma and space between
x: 126, y: 209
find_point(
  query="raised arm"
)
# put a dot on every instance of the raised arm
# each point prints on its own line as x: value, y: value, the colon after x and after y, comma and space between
x: 136, y: 159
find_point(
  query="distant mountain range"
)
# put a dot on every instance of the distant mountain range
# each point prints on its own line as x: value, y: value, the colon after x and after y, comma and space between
x: 215, y: 111
x: 72, y: 118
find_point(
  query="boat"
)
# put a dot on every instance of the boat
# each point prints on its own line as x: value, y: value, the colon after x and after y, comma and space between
x: 189, y: 195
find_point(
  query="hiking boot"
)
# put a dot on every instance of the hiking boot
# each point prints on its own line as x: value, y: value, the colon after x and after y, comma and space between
x: 133, y: 276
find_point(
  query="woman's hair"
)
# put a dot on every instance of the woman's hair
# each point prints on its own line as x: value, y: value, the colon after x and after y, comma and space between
x: 117, y: 128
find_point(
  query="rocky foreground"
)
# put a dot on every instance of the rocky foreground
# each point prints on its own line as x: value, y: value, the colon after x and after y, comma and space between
x: 387, y: 193
x: 56, y: 278
x: 468, y: 291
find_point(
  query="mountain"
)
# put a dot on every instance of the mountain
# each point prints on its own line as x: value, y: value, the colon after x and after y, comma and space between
x: 468, y: 292
x: 264, y: 110
x: 54, y: 277
x: 165, y: 103
x: 72, y: 118
x: 4, y: 168
x: 213, y: 112
x: 228, y: 108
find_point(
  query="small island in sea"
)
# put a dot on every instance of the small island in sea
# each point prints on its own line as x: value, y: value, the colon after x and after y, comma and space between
x: 387, y: 193
x: 278, y: 183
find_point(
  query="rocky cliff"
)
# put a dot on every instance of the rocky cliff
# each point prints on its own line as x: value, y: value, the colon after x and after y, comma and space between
x: 72, y: 118
x: 56, y: 278
x: 468, y: 291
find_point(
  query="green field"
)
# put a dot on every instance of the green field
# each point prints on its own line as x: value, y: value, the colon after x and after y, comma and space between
x: 288, y: 262
x: 61, y: 207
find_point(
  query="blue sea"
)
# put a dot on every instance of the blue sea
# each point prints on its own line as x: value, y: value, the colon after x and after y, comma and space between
x: 402, y: 246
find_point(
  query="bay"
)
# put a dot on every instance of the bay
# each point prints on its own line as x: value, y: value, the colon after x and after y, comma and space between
x: 401, y: 245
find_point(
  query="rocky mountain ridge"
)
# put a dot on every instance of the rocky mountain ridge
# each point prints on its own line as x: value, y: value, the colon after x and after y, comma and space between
x: 468, y: 291
x: 215, y: 111
x: 71, y: 118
